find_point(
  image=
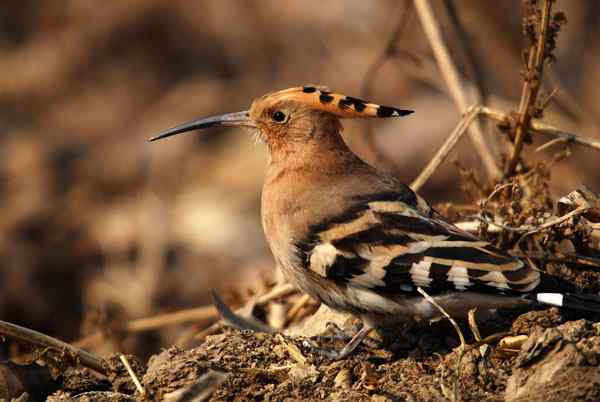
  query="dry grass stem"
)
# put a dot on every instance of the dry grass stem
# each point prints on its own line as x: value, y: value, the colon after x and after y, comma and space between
x: 452, y: 78
x: 174, y: 318
x: 452, y: 321
x: 293, y: 350
x: 487, y: 340
x: 513, y: 342
x: 136, y: 381
x: 446, y: 148
x: 156, y: 322
x: 578, y: 211
x: 277, y: 292
x: 551, y: 143
x: 294, y: 311
x: 454, y: 396
x: 475, y: 330
x: 473, y: 324
x: 546, y: 129
x: 186, y: 316
x: 473, y: 226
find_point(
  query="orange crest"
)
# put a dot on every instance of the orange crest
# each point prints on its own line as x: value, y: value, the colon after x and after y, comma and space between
x: 340, y: 105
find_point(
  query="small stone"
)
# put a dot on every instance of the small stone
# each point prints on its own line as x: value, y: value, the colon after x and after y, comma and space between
x: 369, y: 377
x: 300, y: 373
x: 280, y: 351
x: 343, y: 379
x: 338, y: 397
x: 380, y: 398
x: 553, y: 357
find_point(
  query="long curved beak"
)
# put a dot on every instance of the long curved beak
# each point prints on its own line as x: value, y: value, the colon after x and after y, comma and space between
x: 229, y: 119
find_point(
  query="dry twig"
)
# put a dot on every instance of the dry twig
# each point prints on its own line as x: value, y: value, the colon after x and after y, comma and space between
x: 475, y: 329
x: 473, y: 64
x: 487, y: 340
x: 297, y: 307
x: 462, y: 347
x: 156, y: 322
x: 538, y: 127
x: 553, y: 222
x: 436, y: 305
x: 37, y: 339
x: 511, y: 345
x: 293, y: 350
x: 535, y: 67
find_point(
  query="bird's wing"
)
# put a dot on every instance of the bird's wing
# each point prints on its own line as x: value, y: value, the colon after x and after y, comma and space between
x: 383, y: 243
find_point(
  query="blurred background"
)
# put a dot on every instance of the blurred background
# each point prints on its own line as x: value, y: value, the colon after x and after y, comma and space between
x: 97, y: 225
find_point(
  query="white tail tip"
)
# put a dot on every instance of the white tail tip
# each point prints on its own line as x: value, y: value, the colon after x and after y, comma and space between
x: 553, y: 299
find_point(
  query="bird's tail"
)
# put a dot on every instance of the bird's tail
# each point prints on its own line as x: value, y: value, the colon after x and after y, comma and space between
x: 554, y: 291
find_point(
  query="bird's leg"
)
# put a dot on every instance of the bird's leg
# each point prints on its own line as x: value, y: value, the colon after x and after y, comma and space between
x: 350, y: 346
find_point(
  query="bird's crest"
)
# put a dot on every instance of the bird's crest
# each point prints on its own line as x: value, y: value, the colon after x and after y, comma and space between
x: 340, y: 105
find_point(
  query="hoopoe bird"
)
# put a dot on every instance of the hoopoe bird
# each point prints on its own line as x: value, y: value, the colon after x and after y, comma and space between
x: 359, y: 240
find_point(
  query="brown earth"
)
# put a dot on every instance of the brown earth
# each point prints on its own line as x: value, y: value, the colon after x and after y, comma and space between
x: 559, y: 361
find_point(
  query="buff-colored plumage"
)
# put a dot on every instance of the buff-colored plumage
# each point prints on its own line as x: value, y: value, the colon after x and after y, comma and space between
x: 358, y: 239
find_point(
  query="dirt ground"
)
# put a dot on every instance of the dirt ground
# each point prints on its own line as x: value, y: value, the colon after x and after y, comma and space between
x: 114, y: 245
x: 559, y: 361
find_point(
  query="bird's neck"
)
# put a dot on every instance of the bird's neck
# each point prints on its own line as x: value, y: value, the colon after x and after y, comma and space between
x: 324, y: 152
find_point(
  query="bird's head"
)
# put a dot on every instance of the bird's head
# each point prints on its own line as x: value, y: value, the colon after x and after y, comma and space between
x: 293, y: 116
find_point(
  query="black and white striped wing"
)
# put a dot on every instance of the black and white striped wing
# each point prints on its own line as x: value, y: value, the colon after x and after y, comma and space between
x: 390, y: 248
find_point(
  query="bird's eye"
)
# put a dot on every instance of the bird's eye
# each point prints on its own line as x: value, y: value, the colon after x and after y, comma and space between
x: 279, y: 116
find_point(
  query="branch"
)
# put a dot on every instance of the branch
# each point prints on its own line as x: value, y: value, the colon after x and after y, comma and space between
x: 31, y: 337
x: 538, y: 127
x: 531, y: 86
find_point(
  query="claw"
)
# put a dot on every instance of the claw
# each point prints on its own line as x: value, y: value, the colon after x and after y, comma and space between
x: 336, y: 332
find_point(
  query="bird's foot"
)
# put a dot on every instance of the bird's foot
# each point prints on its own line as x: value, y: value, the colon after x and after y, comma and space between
x: 332, y: 333
x: 336, y: 333
x: 346, y: 350
x: 339, y: 334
